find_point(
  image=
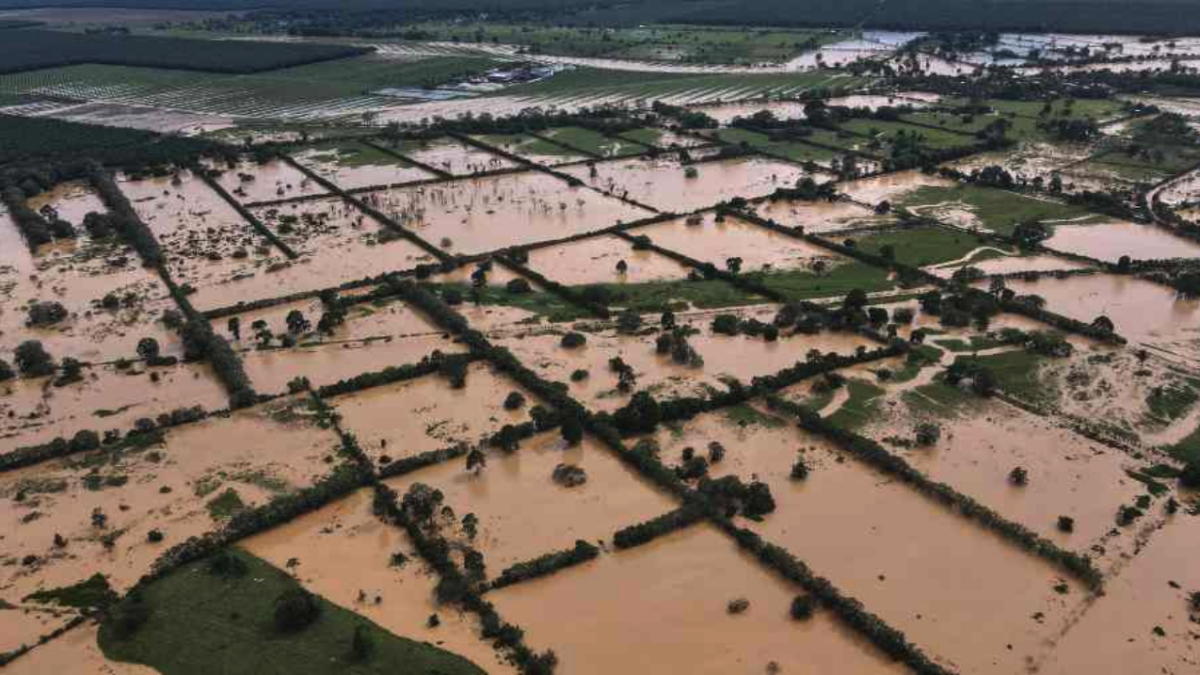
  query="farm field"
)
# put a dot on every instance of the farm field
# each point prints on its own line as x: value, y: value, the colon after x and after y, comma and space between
x: 533, y: 344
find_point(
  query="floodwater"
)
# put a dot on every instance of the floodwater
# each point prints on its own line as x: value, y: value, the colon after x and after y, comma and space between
x: 258, y: 453
x: 661, y: 607
x: 739, y: 357
x: 532, y: 149
x: 919, y: 566
x: 336, y: 244
x: 1110, y: 241
x: 343, y: 550
x: 454, y: 156
x: 759, y: 248
x: 272, y: 180
x: 595, y: 260
x: 1141, y: 310
x: 725, y: 112
x: 663, y: 183
x: 34, y: 411
x: 76, y: 652
x: 1069, y: 475
x: 79, y: 274
x: 891, y: 187
x: 416, y: 416
x: 1151, y: 593
x: 486, y: 214
x: 336, y: 163
x: 524, y: 514
x: 818, y: 217
x: 1010, y: 264
x: 373, y: 337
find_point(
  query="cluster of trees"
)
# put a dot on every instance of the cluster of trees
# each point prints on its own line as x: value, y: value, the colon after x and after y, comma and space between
x: 545, y: 565
x: 389, y: 375
x: 34, y: 227
x: 125, y: 220
x: 687, y: 117
x: 416, y: 514
x: 36, y: 49
x: 644, y: 532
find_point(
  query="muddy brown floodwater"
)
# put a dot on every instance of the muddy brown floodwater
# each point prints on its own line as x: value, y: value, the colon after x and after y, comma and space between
x: 711, y: 239
x: 258, y: 453
x: 523, y: 513
x: 665, y: 185
x: 478, y: 215
x: 343, y: 550
x: 886, y: 545
x: 1110, y: 241
x: 1142, y: 311
x: 595, y: 261
x: 661, y: 607
x: 336, y: 162
x: 818, y: 217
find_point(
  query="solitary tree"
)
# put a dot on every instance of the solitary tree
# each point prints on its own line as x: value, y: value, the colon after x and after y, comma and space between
x: 476, y: 461
x: 148, y: 349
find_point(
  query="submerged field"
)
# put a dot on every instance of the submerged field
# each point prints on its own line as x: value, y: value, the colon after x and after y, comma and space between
x: 596, y: 388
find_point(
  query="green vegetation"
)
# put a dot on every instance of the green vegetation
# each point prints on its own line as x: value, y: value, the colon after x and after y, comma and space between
x: 793, y: 150
x: 999, y: 211
x: 746, y: 415
x: 35, y: 49
x: 522, y: 144
x: 352, y: 154
x: 860, y: 408
x: 1172, y: 401
x: 657, y: 296
x: 923, y: 246
x: 91, y: 593
x: 548, y: 305
x: 930, y: 138
x: 43, y: 140
x: 1187, y: 450
x: 593, y: 142
x: 843, y: 278
x: 223, y: 619
x: 1017, y: 375
x: 225, y: 505
x: 937, y: 399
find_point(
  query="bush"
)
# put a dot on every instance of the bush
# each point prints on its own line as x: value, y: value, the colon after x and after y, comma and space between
x: 1190, y: 476
x: 514, y: 401
x: 43, y: 314
x: 803, y: 607
x: 6, y: 371
x: 578, y: 375
x: 573, y: 340
x: 928, y: 434
x: 1066, y: 524
x: 33, y: 360
x: 295, y: 610
x: 572, y: 431
x: 518, y: 287
x: 726, y: 324
x: 628, y: 322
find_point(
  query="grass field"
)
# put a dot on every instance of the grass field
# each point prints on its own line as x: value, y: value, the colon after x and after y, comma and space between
x: 664, y: 43
x: 860, y: 408
x: 922, y: 247
x: 305, y: 91
x: 593, y: 142
x: 202, y: 623
x: 1017, y: 373
x: 997, y: 210
x: 836, y: 283
x: 932, y: 138
x: 797, y: 152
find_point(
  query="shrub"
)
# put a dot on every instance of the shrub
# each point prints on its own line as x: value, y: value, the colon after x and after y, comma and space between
x: 33, y: 360
x: 799, y: 469
x: 579, y: 375
x: 572, y: 431
x: 1066, y: 524
x: 573, y: 340
x: 1190, y: 476
x: 6, y: 371
x: 726, y: 324
x: 803, y: 607
x: 928, y: 434
x: 1018, y: 476
x: 46, y: 313
x: 737, y: 606
x: 629, y: 321
x: 514, y: 401
x: 295, y: 610
x: 452, y: 297
x: 518, y: 287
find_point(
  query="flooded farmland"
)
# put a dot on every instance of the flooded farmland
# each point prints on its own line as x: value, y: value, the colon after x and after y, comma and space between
x: 387, y: 343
